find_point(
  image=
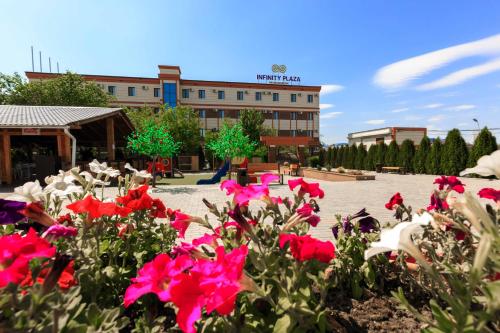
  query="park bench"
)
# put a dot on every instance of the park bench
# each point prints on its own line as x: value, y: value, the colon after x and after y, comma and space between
x: 399, y: 170
x: 256, y: 169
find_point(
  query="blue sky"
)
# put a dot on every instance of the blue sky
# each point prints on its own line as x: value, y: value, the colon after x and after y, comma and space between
x: 364, y: 50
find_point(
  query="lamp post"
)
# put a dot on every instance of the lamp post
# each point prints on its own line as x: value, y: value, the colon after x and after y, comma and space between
x: 478, y: 127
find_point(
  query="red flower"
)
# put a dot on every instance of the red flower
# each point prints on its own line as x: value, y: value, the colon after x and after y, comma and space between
x: 396, y: 199
x: 158, y: 209
x: 96, y: 208
x: 35, y: 211
x: 65, y: 219
x: 137, y: 199
x: 489, y: 193
x: 182, y: 222
x: 437, y: 203
x: 66, y: 279
x: 311, y: 188
x: 307, y: 248
x: 454, y: 184
x: 306, y: 211
x: 16, y: 251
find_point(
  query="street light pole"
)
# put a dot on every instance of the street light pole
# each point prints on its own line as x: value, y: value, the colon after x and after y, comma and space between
x: 478, y: 127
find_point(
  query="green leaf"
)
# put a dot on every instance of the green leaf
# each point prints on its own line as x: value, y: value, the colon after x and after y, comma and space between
x: 284, y: 324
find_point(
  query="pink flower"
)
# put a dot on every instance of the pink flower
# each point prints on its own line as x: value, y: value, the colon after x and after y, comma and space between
x: 268, y: 178
x: 454, y: 184
x: 306, y: 248
x: 310, y: 188
x: 210, y: 240
x: 306, y: 211
x: 243, y: 194
x: 489, y: 193
x: 155, y: 277
x: 16, y: 251
x: 396, y: 200
x: 182, y: 222
x: 59, y: 230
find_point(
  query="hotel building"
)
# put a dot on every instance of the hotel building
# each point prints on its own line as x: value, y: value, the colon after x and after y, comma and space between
x: 291, y: 110
x: 386, y: 135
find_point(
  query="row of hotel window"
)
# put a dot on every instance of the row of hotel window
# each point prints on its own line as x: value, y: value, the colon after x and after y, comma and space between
x: 309, y: 133
x: 221, y: 94
x: 293, y: 115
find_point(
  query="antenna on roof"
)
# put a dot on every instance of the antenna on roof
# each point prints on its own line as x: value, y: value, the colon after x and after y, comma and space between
x: 32, y: 60
x: 40, y: 53
x: 50, y: 66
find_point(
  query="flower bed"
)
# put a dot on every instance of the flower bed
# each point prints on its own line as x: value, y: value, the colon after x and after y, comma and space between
x: 334, y: 176
x: 122, y: 264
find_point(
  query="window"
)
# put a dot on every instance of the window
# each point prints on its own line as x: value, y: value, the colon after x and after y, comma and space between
x: 379, y: 140
x: 258, y: 96
x: 239, y: 95
x: 185, y: 93
x: 221, y: 114
x: 293, y: 115
x: 293, y: 133
x: 202, y: 132
x: 156, y: 92
x: 202, y: 113
x: 220, y: 94
x: 170, y: 94
x: 131, y: 91
x: 112, y: 90
x: 201, y: 94
x: 276, y: 97
x: 309, y: 98
x: 309, y: 133
x: 310, y: 116
x: 293, y: 98
x: 275, y: 115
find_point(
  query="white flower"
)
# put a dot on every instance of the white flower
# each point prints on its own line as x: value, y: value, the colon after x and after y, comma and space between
x: 29, y: 192
x: 399, y: 237
x: 138, y: 177
x: 487, y: 165
x: 90, y: 179
x: 102, y: 168
x: 65, y: 175
x: 62, y: 186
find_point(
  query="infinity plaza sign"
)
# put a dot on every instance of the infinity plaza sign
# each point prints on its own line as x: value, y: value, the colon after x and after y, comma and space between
x: 278, y: 78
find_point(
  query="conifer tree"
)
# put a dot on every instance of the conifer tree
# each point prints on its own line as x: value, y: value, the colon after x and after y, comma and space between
x: 433, y: 161
x: 406, y: 155
x: 371, y: 157
x: 421, y: 155
x: 329, y: 156
x: 381, y: 152
x: 321, y: 157
x: 455, y: 154
x: 484, y: 144
x: 391, y: 156
x: 359, y: 160
x: 335, y: 152
x: 351, y: 156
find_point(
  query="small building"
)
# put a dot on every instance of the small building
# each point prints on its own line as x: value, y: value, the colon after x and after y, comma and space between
x: 386, y: 135
x: 36, y: 141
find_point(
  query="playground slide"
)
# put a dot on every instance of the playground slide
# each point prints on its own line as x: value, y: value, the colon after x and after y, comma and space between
x: 216, y: 178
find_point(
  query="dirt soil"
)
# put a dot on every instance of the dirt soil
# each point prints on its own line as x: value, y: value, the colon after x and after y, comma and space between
x: 372, y: 314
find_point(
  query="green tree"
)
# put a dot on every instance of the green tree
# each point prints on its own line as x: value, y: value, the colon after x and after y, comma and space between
x: 484, y: 144
x: 153, y: 140
x: 232, y: 142
x: 406, y: 155
x: 455, y: 153
x: 371, y: 157
x: 8, y: 86
x: 391, y: 156
x: 252, y: 122
x: 423, y: 150
x: 68, y: 90
x: 433, y: 161
x: 381, y: 152
x: 345, y: 156
x: 359, y: 160
x: 329, y: 156
x: 321, y: 157
x: 352, y: 151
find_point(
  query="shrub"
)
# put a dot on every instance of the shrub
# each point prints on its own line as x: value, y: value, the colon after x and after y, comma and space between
x: 314, y: 161
x: 371, y: 158
x: 381, y: 152
x: 433, y: 161
x: 484, y: 144
x: 392, y: 154
x: 329, y: 156
x: 322, y: 156
x: 359, y: 161
x: 351, y: 157
x: 421, y: 155
x: 406, y: 155
x: 455, y: 154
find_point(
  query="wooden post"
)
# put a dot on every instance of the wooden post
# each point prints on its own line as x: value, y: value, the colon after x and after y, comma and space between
x: 7, y: 163
x: 110, y: 130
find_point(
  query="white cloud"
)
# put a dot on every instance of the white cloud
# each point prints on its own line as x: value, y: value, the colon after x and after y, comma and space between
x: 461, y: 107
x: 436, y: 118
x: 412, y: 118
x: 375, y: 122
x: 330, y: 115
x: 432, y: 106
x: 400, y: 110
x: 401, y: 73
x: 462, y: 75
x: 324, y: 106
x: 330, y: 88
x: 462, y: 124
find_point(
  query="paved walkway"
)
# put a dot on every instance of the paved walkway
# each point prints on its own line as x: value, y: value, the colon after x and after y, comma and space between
x: 340, y: 197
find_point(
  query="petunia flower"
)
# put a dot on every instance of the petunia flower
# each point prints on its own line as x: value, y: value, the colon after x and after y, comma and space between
x: 312, y: 189
x: 396, y: 200
x: 138, y: 177
x: 207, y: 239
x: 367, y: 224
x: 488, y: 165
x: 9, y: 211
x: 65, y: 281
x: 451, y: 183
x: 102, y: 168
x: 489, y: 193
x: 16, y: 252
x: 93, y: 181
x: 437, y: 203
x: 306, y: 247
x: 243, y: 194
x: 96, y: 208
x: 59, y: 230
x: 136, y: 199
x: 306, y: 212
x: 158, y: 209
x: 182, y: 222
x: 29, y: 192
x: 36, y: 212
x: 268, y: 178
x: 62, y: 186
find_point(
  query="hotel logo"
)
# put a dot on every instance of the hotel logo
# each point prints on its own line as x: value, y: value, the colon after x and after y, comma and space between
x: 278, y: 79
x: 279, y: 69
